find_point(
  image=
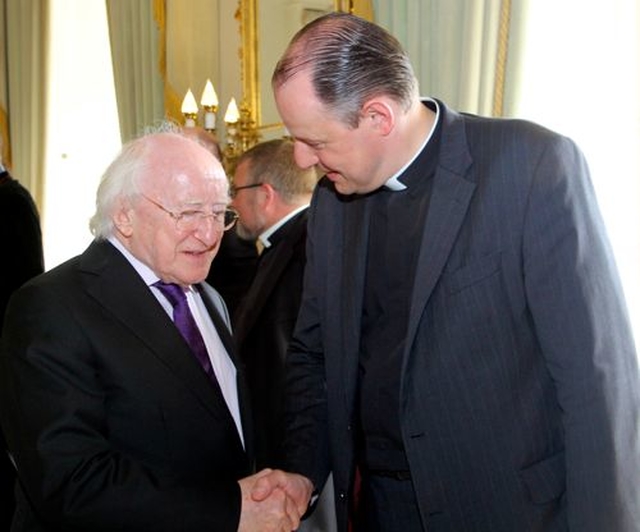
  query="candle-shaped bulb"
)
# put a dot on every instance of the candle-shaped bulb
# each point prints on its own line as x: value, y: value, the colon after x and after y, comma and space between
x: 209, y: 96
x: 232, y: 115
x: 189, y: 109
x: 209, y: 101
x: 189, y: 105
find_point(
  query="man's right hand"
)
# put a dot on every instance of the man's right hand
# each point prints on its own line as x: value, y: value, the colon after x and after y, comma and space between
x: 275, y: 512
x: 297, y: 487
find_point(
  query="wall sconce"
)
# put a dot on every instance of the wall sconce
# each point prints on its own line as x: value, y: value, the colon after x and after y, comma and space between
x: 231, y: 117
x: 241, y: 130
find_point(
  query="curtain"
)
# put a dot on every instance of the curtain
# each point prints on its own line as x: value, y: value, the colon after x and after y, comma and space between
x: 136, y: 35
x: 23, y: 71
x: 582, y: 79
x: 458, y: 48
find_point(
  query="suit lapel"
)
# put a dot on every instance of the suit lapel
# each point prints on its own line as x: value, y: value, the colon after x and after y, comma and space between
x: 451, y: 195
x: 269, y: 271
x: 138, y: 310
x: 221, y: 326
x: 227, y: 340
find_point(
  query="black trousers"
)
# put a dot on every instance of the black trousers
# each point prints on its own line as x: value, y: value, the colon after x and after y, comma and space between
x: 387, y: 504
x: 7, y: 497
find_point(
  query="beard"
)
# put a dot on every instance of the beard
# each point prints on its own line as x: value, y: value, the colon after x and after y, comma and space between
x: 245, y: 233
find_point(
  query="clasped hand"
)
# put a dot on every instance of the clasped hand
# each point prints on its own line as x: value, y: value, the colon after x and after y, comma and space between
x: 273, y: 501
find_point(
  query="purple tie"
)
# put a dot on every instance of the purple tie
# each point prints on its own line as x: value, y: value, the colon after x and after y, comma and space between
x: 183, y: 319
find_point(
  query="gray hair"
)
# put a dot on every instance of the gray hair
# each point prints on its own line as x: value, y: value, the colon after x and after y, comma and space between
x: 350, y: 60
x: 273, y: 162
x: 121, y: 179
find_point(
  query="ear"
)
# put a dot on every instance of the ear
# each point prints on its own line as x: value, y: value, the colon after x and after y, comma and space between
x: 269, y: 196
x: 123, y: 218
x: 378, y: 114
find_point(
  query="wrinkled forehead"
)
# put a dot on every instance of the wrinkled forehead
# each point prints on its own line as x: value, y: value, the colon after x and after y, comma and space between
x: 176, y: 162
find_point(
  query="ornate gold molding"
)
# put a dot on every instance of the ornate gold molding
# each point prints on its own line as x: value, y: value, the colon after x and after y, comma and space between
x: 362, y: 8
x: 501, y: 59
x: 249, y: 73
x: 246, y: 15
x: 5, y: 156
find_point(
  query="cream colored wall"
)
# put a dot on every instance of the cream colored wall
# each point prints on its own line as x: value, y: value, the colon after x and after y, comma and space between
x: 203, y: 42
x: 278, y: 20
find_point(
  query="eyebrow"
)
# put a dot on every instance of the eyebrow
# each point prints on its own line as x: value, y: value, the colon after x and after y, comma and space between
x: 309, y: 141
x: 200, y: 204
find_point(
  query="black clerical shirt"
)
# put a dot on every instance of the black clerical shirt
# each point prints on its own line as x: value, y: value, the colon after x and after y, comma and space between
x: 396, y: 226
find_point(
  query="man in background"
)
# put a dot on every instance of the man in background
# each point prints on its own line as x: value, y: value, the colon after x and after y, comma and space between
x: 22, y: 259
x: 271, y: 194
x: 122, y: 399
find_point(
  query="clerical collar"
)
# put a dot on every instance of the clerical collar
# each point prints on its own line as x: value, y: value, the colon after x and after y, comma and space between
x: 393, y: 183
x: 264, y: 237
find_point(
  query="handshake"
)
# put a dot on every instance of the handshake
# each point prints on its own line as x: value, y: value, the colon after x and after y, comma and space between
x: 273, y: 500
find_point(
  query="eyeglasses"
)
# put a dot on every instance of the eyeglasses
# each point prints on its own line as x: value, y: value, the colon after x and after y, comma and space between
x: 191, y: 219
x: 233, y: 190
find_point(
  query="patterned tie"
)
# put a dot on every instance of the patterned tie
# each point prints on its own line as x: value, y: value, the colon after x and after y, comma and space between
x: 183, y: 319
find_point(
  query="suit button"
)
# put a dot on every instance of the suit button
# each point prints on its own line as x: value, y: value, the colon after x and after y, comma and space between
x: 342, y: 496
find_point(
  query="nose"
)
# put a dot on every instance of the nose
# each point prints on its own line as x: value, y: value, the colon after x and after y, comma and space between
x: 208, y: 230
x: 304, y: 155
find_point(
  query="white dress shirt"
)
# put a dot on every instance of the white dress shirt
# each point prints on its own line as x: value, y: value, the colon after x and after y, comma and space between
x: 223, y: 367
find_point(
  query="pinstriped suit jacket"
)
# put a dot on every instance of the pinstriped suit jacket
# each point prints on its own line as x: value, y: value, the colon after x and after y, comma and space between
x: 520, y: 394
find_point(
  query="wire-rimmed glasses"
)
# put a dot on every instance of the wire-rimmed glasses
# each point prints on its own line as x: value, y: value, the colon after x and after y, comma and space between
x: 233, y: 190
x: 188, y: 220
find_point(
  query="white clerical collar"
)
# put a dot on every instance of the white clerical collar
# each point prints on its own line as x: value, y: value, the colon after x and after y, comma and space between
x: 264, y: 237
x: 393, y: 182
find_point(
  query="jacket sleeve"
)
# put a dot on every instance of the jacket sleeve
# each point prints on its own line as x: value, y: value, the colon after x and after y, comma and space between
x: 579, y: 315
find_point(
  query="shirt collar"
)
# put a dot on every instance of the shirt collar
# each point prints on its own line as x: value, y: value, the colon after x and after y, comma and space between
x: 393, y: 183
x: 264, y: 237
x: 147, y: 274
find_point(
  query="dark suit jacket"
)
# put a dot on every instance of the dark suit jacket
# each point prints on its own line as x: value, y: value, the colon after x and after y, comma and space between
x: 519, y: 403
x: 22, y: 259
x: 233, y: 268
x: 263, y: 327
x: 112, y: 422
x: 20, y: 238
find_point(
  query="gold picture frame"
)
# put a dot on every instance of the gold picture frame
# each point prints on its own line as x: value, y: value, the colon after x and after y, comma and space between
x: 251, y: 40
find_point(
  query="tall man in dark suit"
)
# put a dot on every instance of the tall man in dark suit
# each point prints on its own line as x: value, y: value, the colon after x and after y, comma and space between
x: 463, y: 344
x: 113, y: 422
x: 22, y: 259
x: 271, y: 194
